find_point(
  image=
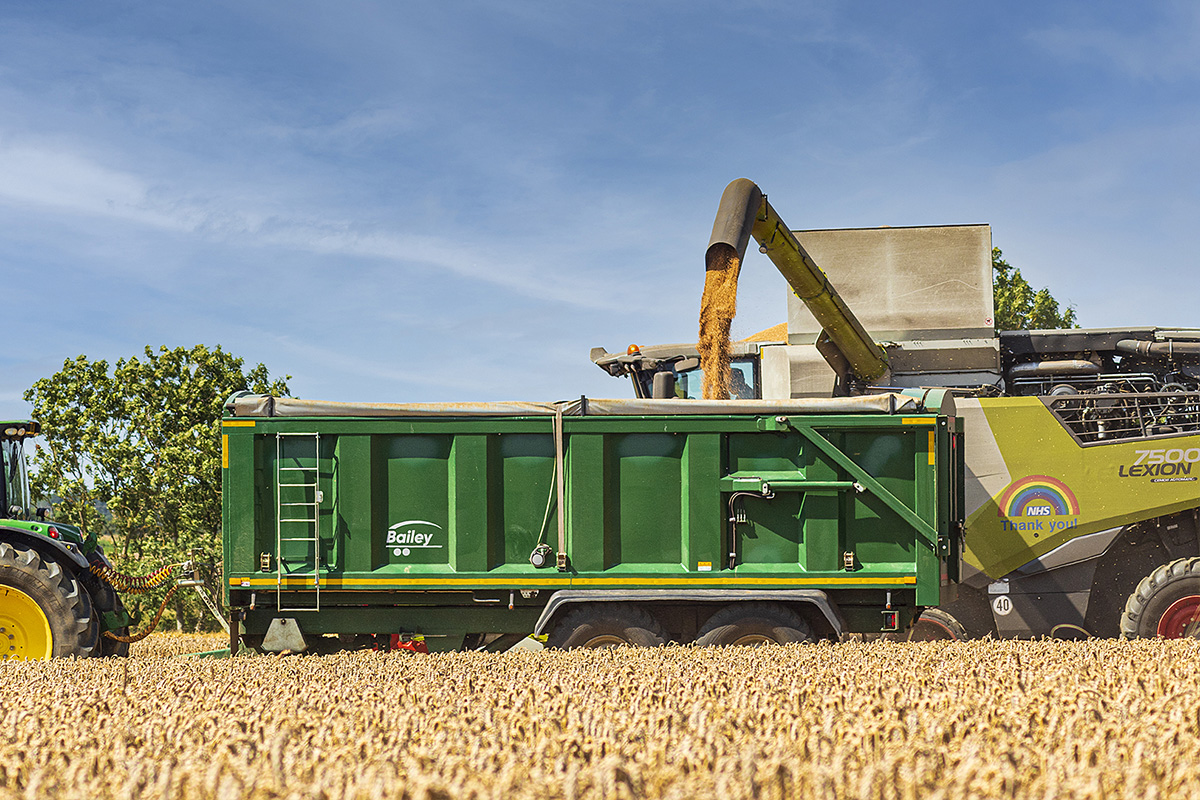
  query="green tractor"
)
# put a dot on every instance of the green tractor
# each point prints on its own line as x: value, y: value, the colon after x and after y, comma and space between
x: 52, y: 604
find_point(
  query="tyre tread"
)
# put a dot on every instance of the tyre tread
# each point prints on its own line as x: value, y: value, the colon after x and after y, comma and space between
x: 82, y: 628
x: 628, y: 616
x: 1133, y: 619
x: 780, y: 616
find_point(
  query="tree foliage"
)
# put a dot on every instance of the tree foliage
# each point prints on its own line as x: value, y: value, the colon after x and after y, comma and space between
x: 1019, y: 307
x: 134, y: 454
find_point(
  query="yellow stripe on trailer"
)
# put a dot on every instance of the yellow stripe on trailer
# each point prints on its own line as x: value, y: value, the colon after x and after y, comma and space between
x: 682, y: 580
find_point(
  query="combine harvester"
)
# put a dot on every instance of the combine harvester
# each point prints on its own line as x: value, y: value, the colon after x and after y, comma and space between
x: 1083, y: 446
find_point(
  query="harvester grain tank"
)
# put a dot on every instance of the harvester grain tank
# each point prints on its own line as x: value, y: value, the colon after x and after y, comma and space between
x: 1083, y: 447
x: 593, y: 522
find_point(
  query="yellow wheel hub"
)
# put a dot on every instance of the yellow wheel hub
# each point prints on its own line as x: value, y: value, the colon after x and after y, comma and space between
x: 24, y: 629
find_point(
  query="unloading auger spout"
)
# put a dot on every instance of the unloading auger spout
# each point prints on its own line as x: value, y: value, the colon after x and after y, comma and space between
x: 845, y: 344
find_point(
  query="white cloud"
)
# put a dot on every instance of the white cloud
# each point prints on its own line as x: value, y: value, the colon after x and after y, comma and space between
x: 66, y: 182
x: 1162, y: 48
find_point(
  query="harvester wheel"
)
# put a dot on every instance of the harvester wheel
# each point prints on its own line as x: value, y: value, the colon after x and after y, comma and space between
x: 1166, y: 603
x: 754, y: 624
x: 935, y: 625
x: 606, y: 625
x: 44, y: 612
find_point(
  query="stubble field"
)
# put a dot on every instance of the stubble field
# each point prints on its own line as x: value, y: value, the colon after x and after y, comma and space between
x: 980, y: 719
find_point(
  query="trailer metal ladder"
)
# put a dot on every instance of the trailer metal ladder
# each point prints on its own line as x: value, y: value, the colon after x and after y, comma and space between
x: 298, y: 499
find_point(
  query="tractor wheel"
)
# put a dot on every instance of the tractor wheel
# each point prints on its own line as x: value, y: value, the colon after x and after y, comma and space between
x: 935, y: 625
x: 606, y: 625
x: 1166, y: 603
x: 44, y: 611
x: 106, y: 600
x: 111, y: 647
x: 754, y: 624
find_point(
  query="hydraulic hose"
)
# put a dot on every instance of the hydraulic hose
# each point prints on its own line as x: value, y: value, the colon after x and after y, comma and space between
x: 132, y: 584
x: 129, y: 583
x: 137, y: 637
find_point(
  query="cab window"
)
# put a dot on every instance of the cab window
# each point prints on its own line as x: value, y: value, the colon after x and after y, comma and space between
x: 742, y: 383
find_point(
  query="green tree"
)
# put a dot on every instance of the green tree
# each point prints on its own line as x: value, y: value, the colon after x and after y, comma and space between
x: 1019, y: 307
x: 134, y: 454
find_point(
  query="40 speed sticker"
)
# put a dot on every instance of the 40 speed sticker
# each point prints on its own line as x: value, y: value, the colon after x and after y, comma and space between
x: 1165, y: 465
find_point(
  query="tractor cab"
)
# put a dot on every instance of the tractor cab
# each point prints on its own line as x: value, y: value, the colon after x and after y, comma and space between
x: 14, y: 488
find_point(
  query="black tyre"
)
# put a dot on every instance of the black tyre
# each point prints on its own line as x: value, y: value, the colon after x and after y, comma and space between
x: 91, y: 639
x: 106, y: 600
x: 1166, y: 603
x: 754, y: 624
x: 935, y: 625
x: 606, y: 625
x: 111, y: 647
x: 44, y: 612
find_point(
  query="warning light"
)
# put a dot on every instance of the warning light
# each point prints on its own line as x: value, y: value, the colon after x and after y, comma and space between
x: 633, y: 350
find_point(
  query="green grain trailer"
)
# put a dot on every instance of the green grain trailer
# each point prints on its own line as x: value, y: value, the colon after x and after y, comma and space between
x: 596, y: 522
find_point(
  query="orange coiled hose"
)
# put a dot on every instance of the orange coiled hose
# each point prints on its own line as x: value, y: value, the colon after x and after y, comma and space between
x: 136, y: 585
x: 130, y: 583
x: 137, y: 637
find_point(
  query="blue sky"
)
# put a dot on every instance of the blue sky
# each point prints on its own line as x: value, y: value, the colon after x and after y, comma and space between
x: 455, y: 201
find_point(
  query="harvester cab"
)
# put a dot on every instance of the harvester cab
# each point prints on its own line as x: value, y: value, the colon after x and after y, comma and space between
x: 1083, y: 446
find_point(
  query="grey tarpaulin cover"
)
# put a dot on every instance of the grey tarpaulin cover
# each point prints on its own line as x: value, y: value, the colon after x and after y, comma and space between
x: 253, y: 405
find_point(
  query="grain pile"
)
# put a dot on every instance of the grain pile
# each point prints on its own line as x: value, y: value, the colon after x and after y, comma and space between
x: 872, y: 720
x: 718, y: 305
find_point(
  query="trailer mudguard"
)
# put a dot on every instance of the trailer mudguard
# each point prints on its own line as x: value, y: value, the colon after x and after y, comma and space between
x: 812, y: 597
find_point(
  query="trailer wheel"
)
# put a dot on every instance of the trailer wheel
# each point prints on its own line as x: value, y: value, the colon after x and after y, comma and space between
x: 935, y: 625
x: 1166, y: 603
x: 606, y: 625
x: 754, y: 624
x: 45, y: 613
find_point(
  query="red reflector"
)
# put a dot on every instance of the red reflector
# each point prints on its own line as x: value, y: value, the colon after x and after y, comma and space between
x: 52, y: 533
